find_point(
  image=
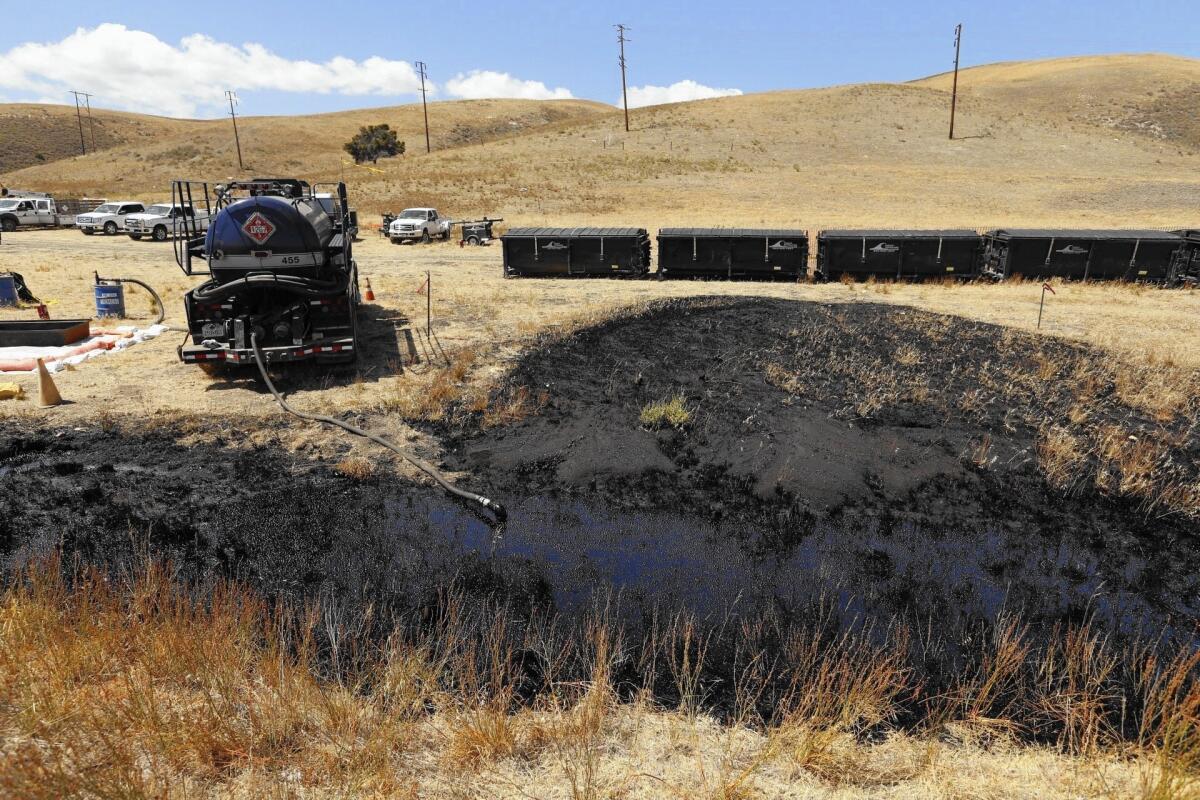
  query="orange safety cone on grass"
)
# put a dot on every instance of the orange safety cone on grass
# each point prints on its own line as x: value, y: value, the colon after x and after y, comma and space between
x: 47, y: 392
x: 370, y: 295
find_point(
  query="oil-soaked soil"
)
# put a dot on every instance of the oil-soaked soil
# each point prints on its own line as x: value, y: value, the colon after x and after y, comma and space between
x: 797, y: 480
x: 888, y: 450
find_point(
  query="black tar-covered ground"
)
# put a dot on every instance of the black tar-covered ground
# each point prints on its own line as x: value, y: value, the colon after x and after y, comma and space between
x: 830, y: 455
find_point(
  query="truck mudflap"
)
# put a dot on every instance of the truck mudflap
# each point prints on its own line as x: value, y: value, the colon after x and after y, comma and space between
x: 323, y: 351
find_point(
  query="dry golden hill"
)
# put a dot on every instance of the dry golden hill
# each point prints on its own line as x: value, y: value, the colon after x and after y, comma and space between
x: 144, y: 151
x: 872, y: 154
x: 1152, y: 94
x: 32, y: 134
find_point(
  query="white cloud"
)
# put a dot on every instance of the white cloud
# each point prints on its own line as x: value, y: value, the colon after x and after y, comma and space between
x: 478, y: 84
x: 135, y: 70
x: 678, y: 92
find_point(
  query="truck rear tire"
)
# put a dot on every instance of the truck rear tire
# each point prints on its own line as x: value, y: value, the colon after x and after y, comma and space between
x: 446, y: 235
x: 160, y: 233
x: 425, y: 237
x: 8, y: 225
x: 473, y: 241
x: 110, y: 228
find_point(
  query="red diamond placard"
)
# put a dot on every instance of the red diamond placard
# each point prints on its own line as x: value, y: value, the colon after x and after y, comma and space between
x: 258, y: 227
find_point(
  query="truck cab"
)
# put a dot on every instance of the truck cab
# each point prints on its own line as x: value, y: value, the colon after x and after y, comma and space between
x: 108, y: 218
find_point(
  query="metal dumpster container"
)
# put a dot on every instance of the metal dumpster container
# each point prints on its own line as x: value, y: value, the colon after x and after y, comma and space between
x: 1097, y: 255
x: 1187, y: 258
x: 898, y: 254
x: 576, y: 251
x: 732, y: 253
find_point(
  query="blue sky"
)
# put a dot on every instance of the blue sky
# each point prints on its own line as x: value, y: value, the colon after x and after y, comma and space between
x: 157, y: 62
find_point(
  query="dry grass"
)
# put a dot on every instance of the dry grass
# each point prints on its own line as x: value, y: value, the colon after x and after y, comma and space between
x: 670, y: 413
x: 128, y: 685
x: 356, y: 467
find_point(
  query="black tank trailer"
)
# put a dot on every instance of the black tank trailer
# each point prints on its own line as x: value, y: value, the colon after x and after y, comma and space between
x: 898, y: 254
x: 582, y: 252
x: 281, y: 272
x: 1096, y: 255
x: 732, y: 253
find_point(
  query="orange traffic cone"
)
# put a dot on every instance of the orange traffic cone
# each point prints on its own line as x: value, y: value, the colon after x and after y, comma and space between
x: 370, y: 295
x: 47, y: 392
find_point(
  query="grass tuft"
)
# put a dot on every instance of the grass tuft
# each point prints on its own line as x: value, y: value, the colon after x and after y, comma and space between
x: 669, y: 413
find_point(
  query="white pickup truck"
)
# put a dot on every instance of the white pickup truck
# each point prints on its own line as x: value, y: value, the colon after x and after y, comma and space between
x: 108, y: 218
x: 159, y: 221
x: 418, y: 224
x: 30, y: 211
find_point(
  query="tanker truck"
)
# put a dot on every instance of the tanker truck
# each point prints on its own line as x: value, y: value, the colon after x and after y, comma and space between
x: 281, y: 275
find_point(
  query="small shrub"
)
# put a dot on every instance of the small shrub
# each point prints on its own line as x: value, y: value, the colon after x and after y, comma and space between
x: 672, y: 413
x: 373, y: 141
x: 355, y: 467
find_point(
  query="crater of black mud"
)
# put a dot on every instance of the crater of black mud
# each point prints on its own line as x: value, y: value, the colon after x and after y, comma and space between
x: 890, y: 458
x: 875, y: 461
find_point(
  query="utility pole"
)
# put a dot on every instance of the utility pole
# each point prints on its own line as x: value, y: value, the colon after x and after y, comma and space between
x: 624, y: 91
x: 232, y: 115
x: 424, y: 105
x: 954, y: 89
x: 79, y: 119
x: 87, y: 98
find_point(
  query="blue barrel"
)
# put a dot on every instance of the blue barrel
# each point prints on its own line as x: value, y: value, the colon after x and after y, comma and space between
x: 8, y: 290
x: 110, y: 300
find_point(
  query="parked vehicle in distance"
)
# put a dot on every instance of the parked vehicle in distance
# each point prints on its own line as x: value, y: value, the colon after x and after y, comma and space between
x: 32, y: 210
x: 108, y: 218
x: 415, y: 224
x: 159, y: 221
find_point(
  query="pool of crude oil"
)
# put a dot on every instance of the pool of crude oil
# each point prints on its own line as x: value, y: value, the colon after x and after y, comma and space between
x: 298, y: 530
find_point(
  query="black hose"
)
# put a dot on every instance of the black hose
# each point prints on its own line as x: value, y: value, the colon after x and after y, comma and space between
x: 309, y: 287
x: 495, y: 508
x: 162, y: 310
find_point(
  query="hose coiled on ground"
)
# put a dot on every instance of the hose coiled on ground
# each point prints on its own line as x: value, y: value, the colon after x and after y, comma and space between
x: 490, y: 505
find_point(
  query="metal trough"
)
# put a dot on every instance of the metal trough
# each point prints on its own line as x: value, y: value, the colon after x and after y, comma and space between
x: 43, y: 332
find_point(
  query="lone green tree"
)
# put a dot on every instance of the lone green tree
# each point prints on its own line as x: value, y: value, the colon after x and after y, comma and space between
x: 373, y: 141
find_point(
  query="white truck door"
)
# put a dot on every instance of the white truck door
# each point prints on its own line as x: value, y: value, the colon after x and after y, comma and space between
x: 43, y: 215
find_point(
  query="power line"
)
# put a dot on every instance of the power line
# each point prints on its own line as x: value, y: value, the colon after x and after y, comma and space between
x: 954, y: 89
x: 424, y: 105
x: 79, y: 118
x: 621, y: 40
x: 87, y: 98
x: 233, y: 115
